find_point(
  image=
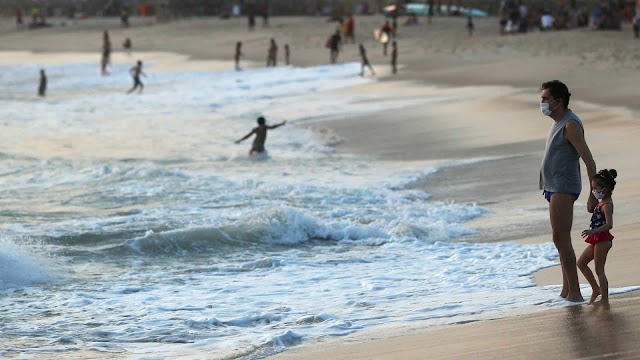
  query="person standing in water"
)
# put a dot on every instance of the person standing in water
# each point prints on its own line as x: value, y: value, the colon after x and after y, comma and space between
x: 334, y: 43
x: 135, y: 72
x: 261, y: 135
x: 272, y: 54
x: 42, y: 87
x: 560, y: 177
x: 287, y: 54
x: 365, y: 61
x: 106, y: 53
x: 238, y: 54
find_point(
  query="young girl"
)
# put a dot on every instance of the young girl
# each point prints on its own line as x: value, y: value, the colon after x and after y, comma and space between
x: 598, y: 236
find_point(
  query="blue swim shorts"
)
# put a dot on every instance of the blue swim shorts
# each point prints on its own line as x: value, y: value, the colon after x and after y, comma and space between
x: 547, y: 195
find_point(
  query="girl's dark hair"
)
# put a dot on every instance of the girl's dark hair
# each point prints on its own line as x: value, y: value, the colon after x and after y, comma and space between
x: 606, y: 178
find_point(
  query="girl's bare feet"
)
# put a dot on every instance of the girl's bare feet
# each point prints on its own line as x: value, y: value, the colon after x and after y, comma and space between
x: 594, y: 295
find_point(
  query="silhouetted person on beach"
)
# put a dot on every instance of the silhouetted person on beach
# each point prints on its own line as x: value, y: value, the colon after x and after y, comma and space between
x: 287, y: 54
x: 19, y: 17
x: 335, y: 41
x: 106, y: 53
x: 365, y: 61
x: 261, y: 136
x: 42, y: 86
x: 430, y: 11
x: 238, y: 54
x: 135, y: 72
x: 124, y: 18
x: 394, y: 57
x: 265, y: 15
x: 470, y: 25
x: 272, y: 53
x: 126, y: 45
x: 560, y: 177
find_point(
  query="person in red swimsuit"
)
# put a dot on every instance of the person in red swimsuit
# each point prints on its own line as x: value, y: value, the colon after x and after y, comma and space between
x: 598, y: 236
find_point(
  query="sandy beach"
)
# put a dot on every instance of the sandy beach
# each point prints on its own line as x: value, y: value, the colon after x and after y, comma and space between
x: 492, y: 112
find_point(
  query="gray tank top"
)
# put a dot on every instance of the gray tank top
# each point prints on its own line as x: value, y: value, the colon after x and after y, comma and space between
x: 560, y: 170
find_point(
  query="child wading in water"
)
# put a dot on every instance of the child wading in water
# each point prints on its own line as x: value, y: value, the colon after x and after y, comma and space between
x: 598, y: 236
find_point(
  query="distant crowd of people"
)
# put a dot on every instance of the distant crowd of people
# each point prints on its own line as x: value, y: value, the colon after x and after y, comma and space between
x: 517, y: 17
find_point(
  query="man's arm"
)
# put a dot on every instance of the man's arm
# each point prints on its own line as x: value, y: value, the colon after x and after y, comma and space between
x: 575, y: 136
x: 277, y: 125
x: 246, y: 136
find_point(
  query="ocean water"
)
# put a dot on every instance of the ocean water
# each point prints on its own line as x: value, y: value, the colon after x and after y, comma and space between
x: 133, y: 226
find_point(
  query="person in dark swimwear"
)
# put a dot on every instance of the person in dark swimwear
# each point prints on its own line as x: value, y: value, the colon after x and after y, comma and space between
x: 287, y: 54
x: 238, y: 54
x: 261, y: 135
x: 334, y: 44
x: 598, y: 236
x: 365, y: 61
x: 394, y: 57
x: 272, y: 53
x: 127, y: 45
x: 106, y: 53
x: 135, y: 72
x: 42, y: 87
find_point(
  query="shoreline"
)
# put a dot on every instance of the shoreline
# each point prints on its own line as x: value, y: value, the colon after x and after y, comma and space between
x: 461, y: 137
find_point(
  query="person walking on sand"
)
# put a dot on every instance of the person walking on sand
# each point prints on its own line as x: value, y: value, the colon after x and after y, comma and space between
x: 135, y: 72
x: 335, y: 42
x: 389, y: 31
x: 598, y: 236
x: 42, y: 86
x: 365, y: 61
x: 394, y: 57
x: 272, y: 53
x: 106, y: 53
x: 560, y: 177
x: 470, y: 25
x: 261, y: 136
x: 238, y: 55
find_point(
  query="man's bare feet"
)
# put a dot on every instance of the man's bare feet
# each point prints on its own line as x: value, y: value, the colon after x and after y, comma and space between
x: 594, y: 296
x: 564, y: 293
x: 575, y: 297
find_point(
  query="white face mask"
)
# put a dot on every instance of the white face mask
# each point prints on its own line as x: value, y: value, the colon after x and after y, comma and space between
x: 599, y: 194
x: 544, y: 107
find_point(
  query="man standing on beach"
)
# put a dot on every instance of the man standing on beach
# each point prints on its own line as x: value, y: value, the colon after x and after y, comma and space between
x: 335, y: 41
x: 560, y: 177
x: 261, y: 135
x: 272, y: 53
x: 394, y: 57
x: 365, y: 61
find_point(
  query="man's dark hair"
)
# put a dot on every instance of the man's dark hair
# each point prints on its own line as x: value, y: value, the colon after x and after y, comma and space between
x: 558, y: 90
x: 261, y: 120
